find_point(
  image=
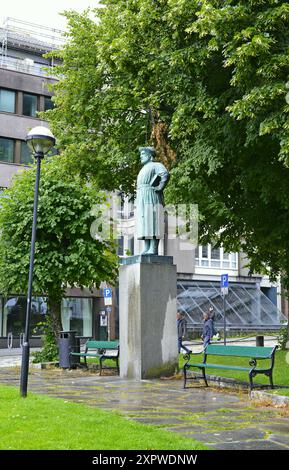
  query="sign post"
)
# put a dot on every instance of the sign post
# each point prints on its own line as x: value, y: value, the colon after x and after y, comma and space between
x: 106, y: 319
x: 107, y: 294
x: 224, y: 291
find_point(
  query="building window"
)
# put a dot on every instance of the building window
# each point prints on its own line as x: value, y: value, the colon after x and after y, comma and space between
x: 233, y: 260
x: 130, y: 246
x: 6, y: 150
x: 25, y: 155
x: 125, y: 208
x: 130, y: 207
x: 7, y: 101
x: 120, y: 247
x: 121, y: 208
x: 204, y: 255
x: 29, y: 105
x: 48, y: 103
x: 13, y: 319
x: 215, y: 257
x: 76, y: 314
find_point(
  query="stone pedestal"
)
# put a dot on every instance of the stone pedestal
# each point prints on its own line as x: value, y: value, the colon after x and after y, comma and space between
x: 147, y: 309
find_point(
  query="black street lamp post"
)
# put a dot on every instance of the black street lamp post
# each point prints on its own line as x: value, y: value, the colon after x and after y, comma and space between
x: 40, y: 140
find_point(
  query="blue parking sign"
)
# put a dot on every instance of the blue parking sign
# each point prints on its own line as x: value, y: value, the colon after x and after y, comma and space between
x: 107, y: 292
x: 224, y: 280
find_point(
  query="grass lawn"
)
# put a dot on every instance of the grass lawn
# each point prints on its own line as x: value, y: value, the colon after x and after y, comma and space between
x: 279, y: 391
x: 280, y: 371
x: 40, y: 422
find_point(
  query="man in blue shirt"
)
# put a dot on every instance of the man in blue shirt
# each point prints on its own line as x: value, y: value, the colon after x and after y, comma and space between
x: 208, y: 330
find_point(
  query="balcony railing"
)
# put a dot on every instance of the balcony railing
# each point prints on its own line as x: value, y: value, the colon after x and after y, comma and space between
x: 26, y: 66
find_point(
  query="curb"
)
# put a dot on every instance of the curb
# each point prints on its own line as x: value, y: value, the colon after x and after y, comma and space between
x: 273, y: 399
x: 44, y: 365
x: 260, y: 395
x: 221, y: 382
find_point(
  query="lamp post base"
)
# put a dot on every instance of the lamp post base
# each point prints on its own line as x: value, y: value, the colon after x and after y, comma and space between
x: 24, y: 369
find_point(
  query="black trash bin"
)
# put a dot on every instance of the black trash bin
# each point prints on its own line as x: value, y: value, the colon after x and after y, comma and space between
x: 68, y: 343
x: 75, y: 347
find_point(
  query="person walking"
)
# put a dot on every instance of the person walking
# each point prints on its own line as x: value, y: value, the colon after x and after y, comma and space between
x: 215, y: 333
x: 207, y: 329
x: 182, y: 330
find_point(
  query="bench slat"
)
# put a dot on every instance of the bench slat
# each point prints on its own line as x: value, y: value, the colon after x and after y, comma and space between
x: 258, y: 352
x: 220, y: 366
x: 91, y: 344
x: 86, y: 354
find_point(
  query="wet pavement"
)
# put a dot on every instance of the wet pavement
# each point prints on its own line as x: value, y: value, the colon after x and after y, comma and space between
x: 218, y: 418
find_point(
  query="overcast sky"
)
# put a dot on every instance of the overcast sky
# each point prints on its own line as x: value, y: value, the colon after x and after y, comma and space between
x: 43, y: 13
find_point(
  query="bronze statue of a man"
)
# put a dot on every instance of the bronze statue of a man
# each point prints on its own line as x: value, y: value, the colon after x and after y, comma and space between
x: 151, y: 180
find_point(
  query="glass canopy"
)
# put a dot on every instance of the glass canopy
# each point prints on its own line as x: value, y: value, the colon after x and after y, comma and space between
x: 246, y: 305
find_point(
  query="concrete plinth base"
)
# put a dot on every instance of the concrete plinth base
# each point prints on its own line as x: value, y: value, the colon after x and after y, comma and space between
x: 148, y: 331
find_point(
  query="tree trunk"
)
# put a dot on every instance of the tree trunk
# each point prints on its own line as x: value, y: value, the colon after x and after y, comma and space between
x: 160, y: 139
x: 55, y: 315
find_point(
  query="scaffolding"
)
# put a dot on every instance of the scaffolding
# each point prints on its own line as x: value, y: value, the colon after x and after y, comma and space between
x: 18, y: 37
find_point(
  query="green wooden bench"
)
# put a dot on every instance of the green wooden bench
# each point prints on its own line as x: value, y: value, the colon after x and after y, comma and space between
x: 253, y: 353
x: 102, y: 350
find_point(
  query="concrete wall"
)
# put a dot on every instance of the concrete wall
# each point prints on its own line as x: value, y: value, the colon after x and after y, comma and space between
x: 24, y: 82
x: 14, y: 126
x: 7, y: 170
x: 183, y: 255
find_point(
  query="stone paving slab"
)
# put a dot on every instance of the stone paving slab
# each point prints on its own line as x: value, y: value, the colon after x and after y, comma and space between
x: 226, y: 420
x: 235, y: 435
x: 249, y: 445
x: 280, y: 439
x: 280, y: 428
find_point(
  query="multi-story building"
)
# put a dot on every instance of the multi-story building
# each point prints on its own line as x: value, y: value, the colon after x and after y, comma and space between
x: 252, y: 302
x: 25, y: 76
x: 24, y: 89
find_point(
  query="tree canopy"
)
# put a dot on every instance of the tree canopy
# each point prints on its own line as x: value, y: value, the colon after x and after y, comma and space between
x: 66, y: 255
x: 205, y: 82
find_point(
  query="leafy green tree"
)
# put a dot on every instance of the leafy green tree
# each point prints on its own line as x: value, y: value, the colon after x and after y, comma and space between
x: 204, y: 81
x: 66, y: 255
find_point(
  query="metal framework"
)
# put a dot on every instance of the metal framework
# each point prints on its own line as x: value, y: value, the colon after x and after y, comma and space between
x: 247, y: 307
x: 22, y: 36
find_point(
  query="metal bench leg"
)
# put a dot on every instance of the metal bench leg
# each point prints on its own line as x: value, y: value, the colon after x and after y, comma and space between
x: 100, y: 365
x: 117, y: 365
x: 85, y: 362
x: 204, y: 376
x: 271, y: 380
x: 185, y: 377
x: 251, y: 380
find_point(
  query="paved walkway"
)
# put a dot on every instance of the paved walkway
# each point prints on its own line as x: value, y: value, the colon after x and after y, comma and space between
x: 12, y: 357
x: 220, y: 419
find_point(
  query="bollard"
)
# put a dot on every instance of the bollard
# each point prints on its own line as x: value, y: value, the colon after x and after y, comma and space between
x: 259, y: 340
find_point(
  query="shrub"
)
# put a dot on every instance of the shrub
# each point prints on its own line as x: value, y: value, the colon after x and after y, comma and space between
x: 49, y: 352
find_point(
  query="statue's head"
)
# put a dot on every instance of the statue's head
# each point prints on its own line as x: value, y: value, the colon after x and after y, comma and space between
x: 147, y: 154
